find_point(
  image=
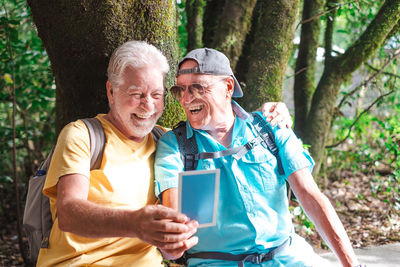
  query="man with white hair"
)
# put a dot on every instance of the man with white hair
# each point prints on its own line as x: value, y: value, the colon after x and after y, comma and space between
x: 108, y: 216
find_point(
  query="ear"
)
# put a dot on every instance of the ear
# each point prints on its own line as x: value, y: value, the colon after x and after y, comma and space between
x: 110, y: 92
x: 230, y: 86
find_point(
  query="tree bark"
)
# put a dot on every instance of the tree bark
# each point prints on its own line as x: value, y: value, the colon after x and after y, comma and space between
x: 80, y: 36
x: 304, y: 83
x: 211, y: 22
x: 234, y: 25
x: 339, y: 70
x: 269, y: 52
x: 194, y: 26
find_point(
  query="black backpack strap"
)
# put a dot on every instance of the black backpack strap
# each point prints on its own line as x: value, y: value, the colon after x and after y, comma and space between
x: 190, y: 155
x: 187, y: 147
x: 265, y: 131
x: 97, y: 141
x: 157, y: 132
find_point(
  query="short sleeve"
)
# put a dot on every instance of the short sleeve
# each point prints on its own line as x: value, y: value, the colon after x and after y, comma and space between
x: 71, y: 156
x: 293, y: 156
x: 168, y: 163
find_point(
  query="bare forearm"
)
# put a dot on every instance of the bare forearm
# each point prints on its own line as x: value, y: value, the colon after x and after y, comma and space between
x: 154, y: 224
x: 330, y: 228
x: 88, y: 219
x: 170, y: 198
x: 321, y: 212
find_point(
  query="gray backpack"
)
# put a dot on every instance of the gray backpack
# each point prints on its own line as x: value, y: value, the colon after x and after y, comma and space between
x: 37, y: 220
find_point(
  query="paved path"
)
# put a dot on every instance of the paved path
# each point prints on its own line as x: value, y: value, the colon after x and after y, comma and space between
x: 382, y: 256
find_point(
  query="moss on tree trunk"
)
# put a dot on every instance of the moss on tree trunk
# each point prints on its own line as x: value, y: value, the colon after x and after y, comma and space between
x: 269, y: 52
x: 194, y: 26
x: 235, y: 22
x: 80, y: 36
x: 211, y: 20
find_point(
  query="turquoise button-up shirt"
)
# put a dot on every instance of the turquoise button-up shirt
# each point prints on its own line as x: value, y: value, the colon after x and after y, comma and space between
x: 253, y: 213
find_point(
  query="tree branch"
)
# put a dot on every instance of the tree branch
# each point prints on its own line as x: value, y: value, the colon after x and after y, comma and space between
x: 370, y: 79
x: 296, y: 73
x: 332, y: 8
x: 383, y: 72
x: 371, y: 39
x: 358, y: 117
x: 330, y: 24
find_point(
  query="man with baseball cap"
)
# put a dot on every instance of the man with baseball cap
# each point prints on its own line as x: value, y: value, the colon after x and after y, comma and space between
x: 253, y: 223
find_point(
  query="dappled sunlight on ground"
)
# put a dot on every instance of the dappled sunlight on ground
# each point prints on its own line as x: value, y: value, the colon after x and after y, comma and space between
x: 368, y: 207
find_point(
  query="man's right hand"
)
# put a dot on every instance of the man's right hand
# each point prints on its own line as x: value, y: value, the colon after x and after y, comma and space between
x: 166, y: 229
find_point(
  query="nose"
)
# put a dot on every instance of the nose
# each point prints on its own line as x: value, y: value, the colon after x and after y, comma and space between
x: 187, y: 96
x: 146, y: 101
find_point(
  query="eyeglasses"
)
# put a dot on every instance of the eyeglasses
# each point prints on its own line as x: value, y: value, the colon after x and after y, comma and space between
x: 196, y: 89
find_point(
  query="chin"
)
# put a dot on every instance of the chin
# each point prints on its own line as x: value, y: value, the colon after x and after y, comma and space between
x: 142, y: 129
x: 140, y: 132
x: 197, y: 125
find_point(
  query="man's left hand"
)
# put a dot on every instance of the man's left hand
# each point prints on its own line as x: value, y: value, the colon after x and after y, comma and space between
x: 177, y: 252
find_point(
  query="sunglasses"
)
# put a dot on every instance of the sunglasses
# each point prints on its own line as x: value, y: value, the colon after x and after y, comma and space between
x: 195, y: 89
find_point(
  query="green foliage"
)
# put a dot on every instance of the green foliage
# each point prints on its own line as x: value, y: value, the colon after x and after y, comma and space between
x: 352, y: 19
x: 23, y: 57
x: 301, y: 221
x: 374, y: 143
x: 182, y: 33
x: 373, y: 148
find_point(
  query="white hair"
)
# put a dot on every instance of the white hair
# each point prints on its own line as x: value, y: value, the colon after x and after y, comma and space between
x: 134, y: 54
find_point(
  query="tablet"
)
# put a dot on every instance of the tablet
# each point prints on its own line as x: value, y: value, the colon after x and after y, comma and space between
x: 198, y: 194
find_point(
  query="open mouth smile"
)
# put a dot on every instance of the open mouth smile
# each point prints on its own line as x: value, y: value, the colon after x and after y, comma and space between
x: 196, y: 109
x: 142, y: 116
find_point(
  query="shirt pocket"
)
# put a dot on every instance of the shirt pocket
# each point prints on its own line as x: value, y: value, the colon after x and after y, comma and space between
x: 259, y: 167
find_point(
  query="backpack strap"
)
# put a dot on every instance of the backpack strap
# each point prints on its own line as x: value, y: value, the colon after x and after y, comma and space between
x: 190, y: 155
x: 187, y: 146
x: 44, y: 166
x: 265, y: 131
x: 189, y: 152
x: 97, y: 141
x: 157, y: 132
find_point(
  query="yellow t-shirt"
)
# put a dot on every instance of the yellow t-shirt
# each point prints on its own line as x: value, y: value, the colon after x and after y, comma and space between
x: 125, y: 179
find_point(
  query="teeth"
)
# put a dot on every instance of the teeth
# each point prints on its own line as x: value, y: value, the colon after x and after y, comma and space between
x: 196, y: 108
x: 143, y: 116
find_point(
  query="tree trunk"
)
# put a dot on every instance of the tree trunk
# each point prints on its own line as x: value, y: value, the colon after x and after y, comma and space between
x: 194, y: 26
x: 242, y: 65
x: 269, y: 52
x: 339, y: 70
x: 234, y: 25
x: 80, y: 36
x: 213, y: 10
x: 304, y: 83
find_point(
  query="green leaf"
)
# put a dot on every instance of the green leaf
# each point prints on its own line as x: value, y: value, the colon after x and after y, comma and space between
x: 7, y: 78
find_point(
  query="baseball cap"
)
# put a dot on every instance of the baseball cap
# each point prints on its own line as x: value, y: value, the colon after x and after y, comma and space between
x: 211, y: 61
